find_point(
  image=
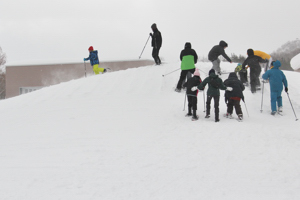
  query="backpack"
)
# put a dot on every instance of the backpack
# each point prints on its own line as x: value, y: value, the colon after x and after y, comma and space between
x: 213, y: 82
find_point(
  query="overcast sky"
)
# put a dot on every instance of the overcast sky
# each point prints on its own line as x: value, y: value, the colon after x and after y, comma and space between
x: 42, y: 31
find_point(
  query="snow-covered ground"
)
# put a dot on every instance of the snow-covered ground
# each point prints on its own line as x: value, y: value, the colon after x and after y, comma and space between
x: 124, y: 135
x: 295, y: 62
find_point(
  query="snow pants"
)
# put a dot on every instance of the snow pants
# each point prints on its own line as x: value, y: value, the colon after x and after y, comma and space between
x: 97, y: 69
x: 236, y: 104
x: 254, y: 79
x: 216, y: 101
x: 276, y: 100
x: 216, y: 66
x: 155, y: 55
x: 243, y: 76
x: 192, y: 102
x: 182, y: 77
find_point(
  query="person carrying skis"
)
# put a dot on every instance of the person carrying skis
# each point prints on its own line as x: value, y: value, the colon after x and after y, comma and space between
x: 93, y: 58
x: 188, y: 57
x: 276, y: 79
x: 156, y: 43
x: 214, y: 85
x: 266, y: 57
x: 192, y: 95
x: 253, y: 62
x: 233, y: 98
x: 215, y: 52
x: 242, y: 73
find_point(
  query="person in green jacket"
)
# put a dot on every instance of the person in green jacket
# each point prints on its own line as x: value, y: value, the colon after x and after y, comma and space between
x: 188, y: 57
x: 214, y: 85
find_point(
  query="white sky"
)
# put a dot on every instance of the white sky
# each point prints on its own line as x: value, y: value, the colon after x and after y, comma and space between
x: 62, y: 30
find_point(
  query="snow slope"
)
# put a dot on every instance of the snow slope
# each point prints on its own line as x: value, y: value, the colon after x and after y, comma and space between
x: 295, y: 62
x: 124, y: 135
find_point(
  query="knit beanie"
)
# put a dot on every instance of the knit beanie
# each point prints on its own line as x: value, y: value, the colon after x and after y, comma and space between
x: 212, y: 71
x: 277, y: 64
x: 91, y: 48
x: 197, y: 73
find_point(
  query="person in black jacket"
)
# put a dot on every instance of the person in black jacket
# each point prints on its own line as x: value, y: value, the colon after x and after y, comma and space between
x: 192, y: 95
x: 156, y: 43
x: 233, y: 97
x: 255, y: 69
x: 215, y: 52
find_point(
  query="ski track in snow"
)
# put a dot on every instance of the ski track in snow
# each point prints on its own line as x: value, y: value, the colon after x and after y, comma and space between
x: 124, y: 135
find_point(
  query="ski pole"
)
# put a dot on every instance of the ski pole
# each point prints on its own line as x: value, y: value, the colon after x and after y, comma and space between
x: 171, y: 72
x: 292, y: 106
x: 84, y: 69
x: 144, y: 47
x: 184, y: 102
x: 204, y: 100
x: 262, y: 97
x: 246, y: 108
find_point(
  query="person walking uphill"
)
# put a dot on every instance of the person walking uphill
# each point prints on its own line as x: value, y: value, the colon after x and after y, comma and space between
x: 215, y: 52
x: 188, y: 57
x: 213, y: 92
x: 192, y: 95
x: 93, y: 58
x: 156, y: 43
x: 255, y: 69
x: 233, y: 98
x: 276, y: 79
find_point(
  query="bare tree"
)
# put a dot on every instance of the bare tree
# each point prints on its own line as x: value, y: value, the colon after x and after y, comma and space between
x: 2, y: 74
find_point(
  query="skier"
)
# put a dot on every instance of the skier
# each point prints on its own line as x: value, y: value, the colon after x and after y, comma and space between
x: 242, y: 73
x: 253, y: 62
x: 277, y: 79
x: 93, y: 57
x: 214, y: 85
x: 234, y: 97
x: 156, y: 43
x: 266, y: 57
x: 215, y: 52
x: 188, y: 57
x: 192, y: 95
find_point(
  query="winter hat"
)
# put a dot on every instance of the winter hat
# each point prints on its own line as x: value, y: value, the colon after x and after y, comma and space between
x: 250, y: 52
x: 91, y: 48
x: 277, y: 64
x: 212, y: 71
x: 197, y: 73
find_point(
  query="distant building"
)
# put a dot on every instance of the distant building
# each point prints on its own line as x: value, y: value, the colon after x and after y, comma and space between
x: 28, y: 78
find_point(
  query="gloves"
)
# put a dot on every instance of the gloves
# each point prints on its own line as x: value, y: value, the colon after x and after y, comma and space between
x: 151, y: 34
x: 229, y: 89
x: 84, y: 59
x: 194, y: 88
x: 286, y: 89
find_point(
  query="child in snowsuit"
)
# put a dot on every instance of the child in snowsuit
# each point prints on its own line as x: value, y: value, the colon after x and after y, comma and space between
x: 214, y: 86
x: 276, y: 79
x: 253, y: 62
x: 188, y: 57
x: 242, y: 73
x: 93, y: 58
x: 192, y: 95
x: 234, y: 97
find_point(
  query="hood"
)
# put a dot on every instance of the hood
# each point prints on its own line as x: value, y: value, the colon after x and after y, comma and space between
x: 223, y: 44
x: 187, y: 45
x: 250, y: 52
x: 232, y: 75
x: 276, y: 64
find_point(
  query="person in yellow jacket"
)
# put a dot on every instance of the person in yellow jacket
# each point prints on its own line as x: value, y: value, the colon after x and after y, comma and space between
x: 266, y: 57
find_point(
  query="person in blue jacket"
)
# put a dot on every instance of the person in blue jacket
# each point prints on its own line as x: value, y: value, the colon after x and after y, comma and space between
x: 93, y: 58
x: 276, y: 79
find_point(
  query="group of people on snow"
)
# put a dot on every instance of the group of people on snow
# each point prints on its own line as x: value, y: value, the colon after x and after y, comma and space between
x: 233, y: 86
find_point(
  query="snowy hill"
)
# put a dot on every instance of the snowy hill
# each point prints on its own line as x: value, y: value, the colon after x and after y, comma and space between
x: 124, y: 135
